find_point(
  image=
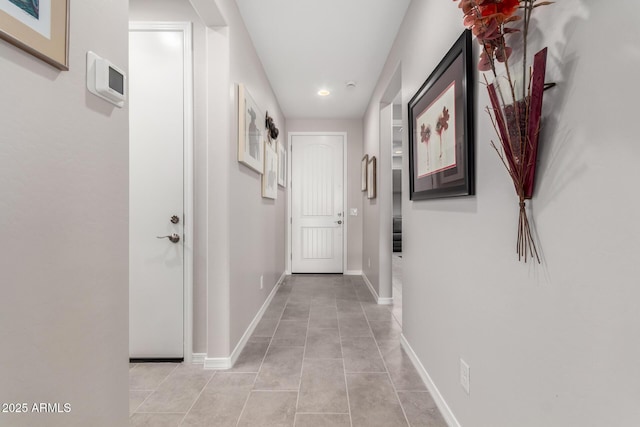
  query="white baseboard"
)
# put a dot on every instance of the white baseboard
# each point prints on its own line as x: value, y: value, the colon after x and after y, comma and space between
x: 228, y: 362
x: 252, y: 326
x: 198, y: 358
x: 385, y: 301
x: 217, y: 363
x: 353, y: 273
x: 428, y: 382
x: 381, y: 301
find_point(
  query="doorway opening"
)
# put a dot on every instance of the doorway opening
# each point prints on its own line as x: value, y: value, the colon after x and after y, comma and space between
x: 390, y: 197
x: 396, y: 169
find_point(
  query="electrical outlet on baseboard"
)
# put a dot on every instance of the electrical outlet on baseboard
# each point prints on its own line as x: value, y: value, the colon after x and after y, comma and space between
x: 261, y: 281
x: 464, y: 375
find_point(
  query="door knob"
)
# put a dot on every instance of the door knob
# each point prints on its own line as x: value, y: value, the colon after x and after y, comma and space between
x: 338, y: 222
x: 175, y: 219
x: 175, y: 238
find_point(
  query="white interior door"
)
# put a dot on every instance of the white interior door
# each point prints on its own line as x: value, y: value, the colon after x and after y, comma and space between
x: 156, y: 194
x: 317, y: 203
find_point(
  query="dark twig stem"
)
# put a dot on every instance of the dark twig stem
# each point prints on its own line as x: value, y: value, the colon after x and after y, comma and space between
x: 528, y: 8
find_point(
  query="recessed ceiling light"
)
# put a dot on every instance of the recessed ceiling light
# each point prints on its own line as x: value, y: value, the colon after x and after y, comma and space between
x: 324, y: 92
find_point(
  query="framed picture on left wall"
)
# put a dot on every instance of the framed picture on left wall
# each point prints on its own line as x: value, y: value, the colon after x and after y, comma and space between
x: 250, y: 131
x: 40, y: 27
x: 270, y: 176
x: 282, y: 165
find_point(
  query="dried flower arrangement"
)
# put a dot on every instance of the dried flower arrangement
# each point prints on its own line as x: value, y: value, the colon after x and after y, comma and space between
x: 516, y: 101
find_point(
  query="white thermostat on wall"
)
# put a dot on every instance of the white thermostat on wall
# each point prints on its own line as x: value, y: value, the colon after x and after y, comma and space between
x: 106, y: 80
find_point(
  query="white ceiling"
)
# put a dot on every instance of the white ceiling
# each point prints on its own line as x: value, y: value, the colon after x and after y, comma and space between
x: 308, y: 45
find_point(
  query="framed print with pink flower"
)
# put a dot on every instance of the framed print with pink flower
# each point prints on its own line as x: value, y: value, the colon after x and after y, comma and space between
x: 441, y: 136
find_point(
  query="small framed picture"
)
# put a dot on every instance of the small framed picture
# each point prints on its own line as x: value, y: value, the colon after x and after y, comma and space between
x: 363, y: 171
x: 270, y: 176
x: 282, y: 165
x: 250, y: 131
x: 371, y: 178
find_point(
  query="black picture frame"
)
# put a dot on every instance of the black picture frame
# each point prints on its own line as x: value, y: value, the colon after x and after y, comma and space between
x: 441, y: 121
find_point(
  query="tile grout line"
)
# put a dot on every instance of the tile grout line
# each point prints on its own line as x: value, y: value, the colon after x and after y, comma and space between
x: 304, y: 353
x: 263, y: 358
x: 137, y: 407
x: 197, y: 398
x: 384, y: 362
x: 344, y: 368
x: 323, y: 413
x: 152, y: 391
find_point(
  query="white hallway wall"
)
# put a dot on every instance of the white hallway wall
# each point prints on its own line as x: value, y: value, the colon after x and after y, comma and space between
x: 552, y: 344
x: 251, y: 230
x: 64, y: 224
x: 239, y: 236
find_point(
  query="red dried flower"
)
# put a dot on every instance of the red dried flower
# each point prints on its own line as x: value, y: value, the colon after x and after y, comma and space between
x: 486, y: 19
x: 508, y: 7
x: 425, y: 133
x: 485, y: 63
x: 502, y: 54
x: 443, y: 121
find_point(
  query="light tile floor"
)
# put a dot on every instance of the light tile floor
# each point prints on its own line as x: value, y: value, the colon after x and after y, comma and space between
x: 324, y: 354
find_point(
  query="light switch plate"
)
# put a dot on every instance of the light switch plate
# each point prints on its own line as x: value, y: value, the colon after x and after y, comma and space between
x: 353, y: 211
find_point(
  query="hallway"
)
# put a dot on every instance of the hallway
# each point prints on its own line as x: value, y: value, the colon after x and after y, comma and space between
x: 324, y: 354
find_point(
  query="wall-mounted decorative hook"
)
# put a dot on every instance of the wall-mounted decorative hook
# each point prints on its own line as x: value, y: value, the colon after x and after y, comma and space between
x: 272, y: 130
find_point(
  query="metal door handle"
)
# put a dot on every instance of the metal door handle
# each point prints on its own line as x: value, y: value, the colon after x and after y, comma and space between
x: 175, y: 238
x: 338, y: 222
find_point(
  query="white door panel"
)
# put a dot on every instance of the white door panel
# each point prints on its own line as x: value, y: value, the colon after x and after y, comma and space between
x: 156, y: 104
x: 317, y: 203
